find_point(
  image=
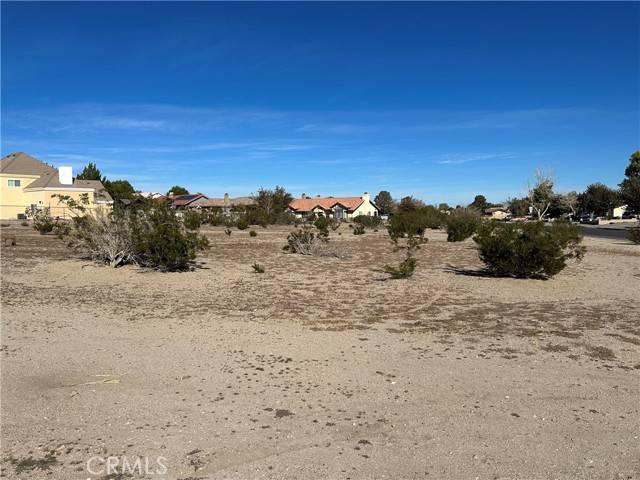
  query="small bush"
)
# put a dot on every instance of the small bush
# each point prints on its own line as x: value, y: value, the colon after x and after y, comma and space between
x: 367, y: 221
x: 24, y: 223
x: 634, y: 234
x: 43, y: 222
x: 227, y: 232
x: 528, y: 250
x: 358, y: 230
x: 4, y: 225
x: 322, y: 224
x: 405, y: 270
x: 306, y: 242
x: 192, y: 220
x: 257, y: 268
x: 242, y: 224
x: 253, y: 233
x: 461, y: 224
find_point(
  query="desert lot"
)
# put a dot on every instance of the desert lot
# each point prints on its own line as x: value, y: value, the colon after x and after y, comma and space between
x: 319, y: 368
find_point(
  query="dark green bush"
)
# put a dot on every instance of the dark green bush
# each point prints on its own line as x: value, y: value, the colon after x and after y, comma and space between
x: 367, y: 221
x: 358, y: 230
x: 160, y: 240
x: 461, y: 224
x: 192, y: 220
x: 253, y: 233
x: 405, y: 270
x: 24, y: 223
x: 257, y: 268
x: 242, y: 223
x: 322, y: 224
x: 528, y: 249
x: 634, y: 234
x: 227, y: 232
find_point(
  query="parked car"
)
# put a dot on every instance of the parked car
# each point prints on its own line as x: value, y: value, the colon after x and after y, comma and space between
x: 590, y: 219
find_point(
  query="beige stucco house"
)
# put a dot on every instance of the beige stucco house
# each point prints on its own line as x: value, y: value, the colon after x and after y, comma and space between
x: 26, y: 182
x: 340, y: 208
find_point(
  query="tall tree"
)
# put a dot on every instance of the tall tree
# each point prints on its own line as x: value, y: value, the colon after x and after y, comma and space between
x: 630, y: 186
x: 177, y: 190
x: 408, y: 204
x: 120, y: 190
x: 599, y: 200
x: 519, y: 207
x: 479, y: 203
x: 541, y: 193
x: 385, y: 202
x: 91, y: 172
x: 273, y: 201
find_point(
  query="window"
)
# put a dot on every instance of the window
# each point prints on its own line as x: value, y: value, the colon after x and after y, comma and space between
x: 14, y: 183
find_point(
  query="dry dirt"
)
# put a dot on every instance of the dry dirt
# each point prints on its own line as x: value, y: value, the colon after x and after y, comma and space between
x: 319, y: 368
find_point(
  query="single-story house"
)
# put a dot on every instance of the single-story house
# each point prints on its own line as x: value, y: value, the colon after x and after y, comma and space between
x: 340, y: 208
x: 618, y: 212
x: 498, y: 213
x: 226, y: 204
x: 28, y: 183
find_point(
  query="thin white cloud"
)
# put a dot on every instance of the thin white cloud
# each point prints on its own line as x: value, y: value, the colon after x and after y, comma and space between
x: 460, y: 158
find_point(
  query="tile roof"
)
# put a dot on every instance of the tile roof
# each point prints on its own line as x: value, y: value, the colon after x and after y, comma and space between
x: 20, y: 163
x: 308, y: 204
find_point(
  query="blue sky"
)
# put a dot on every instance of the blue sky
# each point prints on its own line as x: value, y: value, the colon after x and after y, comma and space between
x: 439, y: 100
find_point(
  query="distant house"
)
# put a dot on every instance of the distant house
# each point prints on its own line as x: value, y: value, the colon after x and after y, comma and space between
x: 618, y: 212
x: 225, y: 204
x: 340, y: 208
x: 28, y: 183
x: 498, y: 213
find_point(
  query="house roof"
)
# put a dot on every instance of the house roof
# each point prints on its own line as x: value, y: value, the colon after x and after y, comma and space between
x: 308, y: 204
x: 102, y: 195
x: 52, y: 180
x: 20, y: 163
x: 223, y: 202
x: 182, y: 200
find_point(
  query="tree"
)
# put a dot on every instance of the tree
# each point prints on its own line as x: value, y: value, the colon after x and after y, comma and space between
x: 479, y: 203
x: 519, y: 207
x: 541, y: 194
x: 91, y: 172
x: 177, y: 190
x: 598, y: 199
x: 385, y: 202
x: 273, y: 202
x: 630, y: 186
x: 409, y: 203
x: 119, y: 190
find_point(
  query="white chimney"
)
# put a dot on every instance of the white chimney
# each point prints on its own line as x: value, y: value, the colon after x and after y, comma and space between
x: 65, y: 175
x: 366, y: 197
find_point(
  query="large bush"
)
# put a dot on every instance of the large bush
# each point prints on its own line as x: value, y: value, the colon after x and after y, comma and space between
x: 307, y: 242
x: 528, y: 250
x: 406, y: 230
x: 193, y: 219
x: 367, y: 221
x: 461, y: 224
x: 151, y: 236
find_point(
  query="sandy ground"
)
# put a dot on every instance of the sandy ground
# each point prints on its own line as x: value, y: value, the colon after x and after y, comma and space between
x: 319, y: 368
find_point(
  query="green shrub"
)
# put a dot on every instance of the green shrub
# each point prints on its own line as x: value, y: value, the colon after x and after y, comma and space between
x: 43, y: 222
x: 192, y: 220
x: 242, y: 224
x: 24, y: 223
x: 257, y: 268
x: 227, y: 232
x: 358, y: 230
x: 161, y: 241
x: 528, y: 250
x: 405, y: 270
x: 367, y: 221
x: 322, y: 224
x: 634, y: 234
x: 253, y: 233
x: 461, y: 224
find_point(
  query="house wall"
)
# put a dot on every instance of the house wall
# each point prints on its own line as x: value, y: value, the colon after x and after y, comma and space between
x: 366, y: 208
x: 14, y: 200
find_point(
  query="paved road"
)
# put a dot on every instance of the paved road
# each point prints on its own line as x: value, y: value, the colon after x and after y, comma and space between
x: 606, y: 231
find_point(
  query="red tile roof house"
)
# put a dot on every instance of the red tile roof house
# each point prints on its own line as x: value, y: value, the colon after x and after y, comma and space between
x: 340, y: 208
